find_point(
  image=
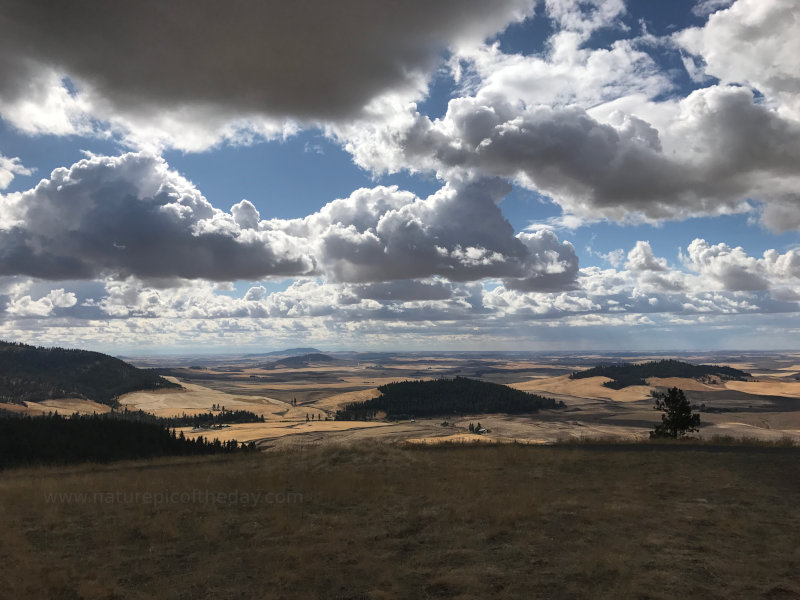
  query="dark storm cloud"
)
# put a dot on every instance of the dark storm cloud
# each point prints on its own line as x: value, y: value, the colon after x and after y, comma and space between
x: 309, y: 59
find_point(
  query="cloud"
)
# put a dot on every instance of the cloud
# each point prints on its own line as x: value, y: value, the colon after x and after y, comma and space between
x: 302, y: 301
x: 131, y: 216
x: 638, y: 301
x: 25, y: 306
x: 405, y: 290
x: 553, y: 265
x: 245, y: 214
x: 258, y: 292
x: 568, y: 71
x: 733, y: 269
x: 383, y: 255
x: 755, y: 43
x: 9, y: 167
x: 585, y: 16
x: 604, y: 131
x: 613, y: 257
x: 718, y: 149
x: 458, y: 233
x: 641, y: 258
x: 227, y: 70
x: 706, y: 7
x: 566, y: 75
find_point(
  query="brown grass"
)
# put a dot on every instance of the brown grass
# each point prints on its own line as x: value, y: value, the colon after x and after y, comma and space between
x: 63, y: 406
x: 334, y: 402
x: 378, y: 521
x: 789, y: 389
x: 590, y: 387
x: 247, y: 432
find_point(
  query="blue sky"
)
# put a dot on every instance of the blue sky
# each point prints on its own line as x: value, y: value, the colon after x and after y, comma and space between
x: 561, y: 174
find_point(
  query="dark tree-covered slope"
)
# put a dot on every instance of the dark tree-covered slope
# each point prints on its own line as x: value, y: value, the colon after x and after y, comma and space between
x: 442, y: 397
x: 32, y: 374
x: 101, y: 438
x: 625, y: 374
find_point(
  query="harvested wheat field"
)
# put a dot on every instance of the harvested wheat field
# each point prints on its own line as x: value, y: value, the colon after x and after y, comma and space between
x: 68, y: 406
x: 788, y: 389
x: 193, y: 398
x: 454, y: 438
x: 591, y: 387
x: 247, y: 432
x: 380, y: 522
x: 337, y: 400
x: 63, y: 406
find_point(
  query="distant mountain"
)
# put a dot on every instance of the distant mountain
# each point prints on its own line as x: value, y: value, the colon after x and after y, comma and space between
x: 296, y: 362
x: 626, y: 374
x: 287, y: 352
x: 32, y: 374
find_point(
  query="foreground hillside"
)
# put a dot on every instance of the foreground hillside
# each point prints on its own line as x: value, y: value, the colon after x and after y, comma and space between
x: 385, y: 522
x: 34, y: 374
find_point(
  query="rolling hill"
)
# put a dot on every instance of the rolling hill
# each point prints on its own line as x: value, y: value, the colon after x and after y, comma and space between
x: 286, y: 352
x: 442, y: 397
x: 627, y: 374
x: 304, y: 360
x: 33, y: 374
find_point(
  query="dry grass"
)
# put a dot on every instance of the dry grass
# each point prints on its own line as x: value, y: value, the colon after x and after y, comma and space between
x: 591, y: 387
x: 247, y: 432
x: 378, y: 521
x: 334, y: 402
x: 788, y: 389
x: 64, y: 406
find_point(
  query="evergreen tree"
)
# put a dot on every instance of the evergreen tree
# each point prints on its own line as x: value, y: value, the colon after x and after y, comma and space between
x: 678, y: 418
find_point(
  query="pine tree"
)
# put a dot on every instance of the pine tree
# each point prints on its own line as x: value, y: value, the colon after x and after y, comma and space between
x: 678, y: 418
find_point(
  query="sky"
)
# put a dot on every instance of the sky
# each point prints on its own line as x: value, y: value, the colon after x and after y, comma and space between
x: 206, y: 177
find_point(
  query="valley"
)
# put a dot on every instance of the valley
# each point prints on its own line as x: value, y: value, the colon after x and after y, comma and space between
x: 298, y: 395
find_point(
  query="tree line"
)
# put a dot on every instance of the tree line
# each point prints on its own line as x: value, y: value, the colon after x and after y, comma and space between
x: 204, y: 420
x: 627, y: 374
x: 439, y: 397
x: 53, y: 439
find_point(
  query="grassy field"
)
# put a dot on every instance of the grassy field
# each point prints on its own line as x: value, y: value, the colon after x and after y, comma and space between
x: 382, y: 521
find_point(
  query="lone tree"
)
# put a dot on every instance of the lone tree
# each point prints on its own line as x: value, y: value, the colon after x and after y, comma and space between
x: 678, y: 418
